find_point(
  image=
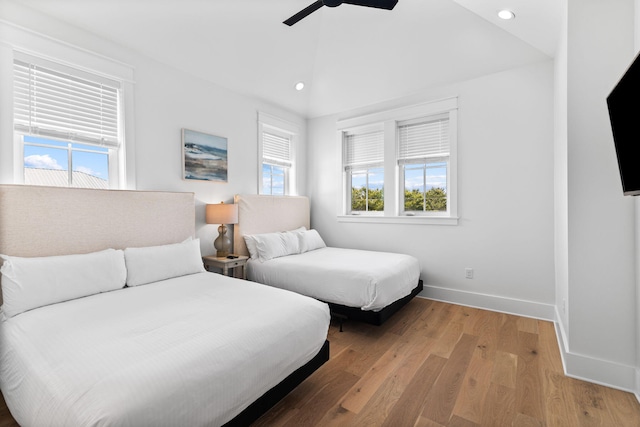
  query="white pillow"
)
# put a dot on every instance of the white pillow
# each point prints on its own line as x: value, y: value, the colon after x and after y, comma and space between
x: 292, y: 240
x: 310, y: 240
x: 251, y: 246
x: 266, y: 246
x: 270, y: 245
x: 154, y: 263
x: 29, y: 283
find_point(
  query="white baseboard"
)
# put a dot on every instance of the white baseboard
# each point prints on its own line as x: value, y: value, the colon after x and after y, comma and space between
x: 490, y: 302
x: 597, y: 371
x: 637, y: 393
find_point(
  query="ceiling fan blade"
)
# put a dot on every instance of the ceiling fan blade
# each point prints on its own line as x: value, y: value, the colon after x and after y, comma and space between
x: 380, y: 4
x: 304, y: 13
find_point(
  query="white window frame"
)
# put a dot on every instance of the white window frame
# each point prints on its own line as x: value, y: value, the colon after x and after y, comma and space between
x: 441, y: 157
x: 21, y: 41
x: 394, y: 181
x: 348, y: 192
x: 283, y: 128
x: 112, y: 154
x: 116, y: 153
x: 285, y: 174
x: 348, y: 169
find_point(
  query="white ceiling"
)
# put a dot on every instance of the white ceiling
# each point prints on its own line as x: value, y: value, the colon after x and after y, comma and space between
x: 348, y: 56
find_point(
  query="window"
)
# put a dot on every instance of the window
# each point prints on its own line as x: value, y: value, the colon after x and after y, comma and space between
x: 423, y: 160
x: 277, y: 156
x: 67, y: 124
x: 274, y: 180
x: 363, y: 159
x: 65, y: 164
x: 400, y: 165
x: 276, y: 162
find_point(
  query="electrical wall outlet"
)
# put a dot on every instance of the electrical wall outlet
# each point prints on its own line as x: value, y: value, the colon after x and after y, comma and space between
x: 468, y: 273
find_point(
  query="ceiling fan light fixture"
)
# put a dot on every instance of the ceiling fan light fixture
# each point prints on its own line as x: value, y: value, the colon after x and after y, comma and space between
x: 299, y: 86
x: 380, y: 4
x: 506, y: 14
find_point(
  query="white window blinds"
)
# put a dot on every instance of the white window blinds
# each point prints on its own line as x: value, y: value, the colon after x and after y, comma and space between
x: 276, y: 149
x: 363, y: 150
x: 59, y: 104
x: 421, y: 139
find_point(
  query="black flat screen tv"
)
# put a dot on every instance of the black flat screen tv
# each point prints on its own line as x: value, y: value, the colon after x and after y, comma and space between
x: 624, y: 114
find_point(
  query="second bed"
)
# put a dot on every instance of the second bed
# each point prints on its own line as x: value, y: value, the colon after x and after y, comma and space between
x: 358, y: 284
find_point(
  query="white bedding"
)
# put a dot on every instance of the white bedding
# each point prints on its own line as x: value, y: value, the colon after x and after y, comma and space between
x: 194, y: 350
x: 356, y: 278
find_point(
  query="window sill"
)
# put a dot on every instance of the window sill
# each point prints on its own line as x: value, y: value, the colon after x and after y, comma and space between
x: 422, y: 220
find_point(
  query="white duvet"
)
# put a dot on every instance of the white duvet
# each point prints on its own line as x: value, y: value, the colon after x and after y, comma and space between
x: 356, y: 278
x: 194, y: 350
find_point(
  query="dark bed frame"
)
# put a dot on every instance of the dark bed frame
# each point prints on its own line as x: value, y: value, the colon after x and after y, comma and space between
x: 343, y: 312
x: 273, y: 396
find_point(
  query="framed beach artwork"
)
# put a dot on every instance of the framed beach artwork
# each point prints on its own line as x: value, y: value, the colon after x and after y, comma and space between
x: 204, y: 156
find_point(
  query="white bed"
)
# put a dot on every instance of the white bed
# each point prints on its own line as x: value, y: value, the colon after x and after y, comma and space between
x: 367, y: 280
x: 195, y: 349
x: 358, y: 284
x: 149, y: 356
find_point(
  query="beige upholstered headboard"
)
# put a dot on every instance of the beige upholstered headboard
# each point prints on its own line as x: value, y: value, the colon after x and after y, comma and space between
x: 267, y: 214
x: 45, y: 221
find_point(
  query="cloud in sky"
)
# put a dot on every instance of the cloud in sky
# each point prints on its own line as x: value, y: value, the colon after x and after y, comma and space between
x: 41, y: 162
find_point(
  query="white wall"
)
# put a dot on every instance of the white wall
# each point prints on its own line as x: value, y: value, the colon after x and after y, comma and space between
x: 194, y: 104
x: 165, y: 100
x: 561, y: 197
x: 505, y: 185
x: 596, y: 244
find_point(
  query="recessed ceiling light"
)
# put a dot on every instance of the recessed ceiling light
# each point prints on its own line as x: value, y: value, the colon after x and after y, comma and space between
x: 299, y: 85
x: 506, y: 14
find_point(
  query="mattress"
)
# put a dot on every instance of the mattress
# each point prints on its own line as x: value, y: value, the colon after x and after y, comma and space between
x: 367, y: 280
x: 194, y: 350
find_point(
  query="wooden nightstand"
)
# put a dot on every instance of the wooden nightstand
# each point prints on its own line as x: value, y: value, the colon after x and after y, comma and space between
x: 226, y: 264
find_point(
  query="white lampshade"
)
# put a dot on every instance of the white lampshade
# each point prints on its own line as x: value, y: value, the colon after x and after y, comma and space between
x: 222, y: 214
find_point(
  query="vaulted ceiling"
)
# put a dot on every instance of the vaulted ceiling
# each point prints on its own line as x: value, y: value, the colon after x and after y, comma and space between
x: 348, y: 56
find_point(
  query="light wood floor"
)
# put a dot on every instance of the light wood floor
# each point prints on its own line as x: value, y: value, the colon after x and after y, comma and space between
x: 435, y: 364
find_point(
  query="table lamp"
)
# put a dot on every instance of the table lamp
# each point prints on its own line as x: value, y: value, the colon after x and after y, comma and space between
x: 222, y: 214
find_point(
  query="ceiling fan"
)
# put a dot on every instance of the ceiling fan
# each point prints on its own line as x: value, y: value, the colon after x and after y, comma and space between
x: 380, y: 4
